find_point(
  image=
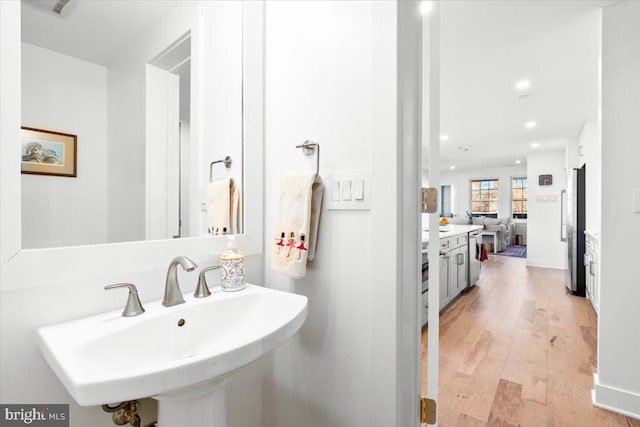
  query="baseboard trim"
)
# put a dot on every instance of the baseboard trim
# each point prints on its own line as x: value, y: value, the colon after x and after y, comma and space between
x: 614, y: 399
x: 558, y: 265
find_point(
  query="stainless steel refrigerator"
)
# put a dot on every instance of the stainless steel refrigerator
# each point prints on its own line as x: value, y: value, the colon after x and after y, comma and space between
x: 572, y: 230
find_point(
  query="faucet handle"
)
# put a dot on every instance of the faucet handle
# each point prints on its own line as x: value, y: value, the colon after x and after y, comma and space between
x: 133, y: 307
x: 202, y: 290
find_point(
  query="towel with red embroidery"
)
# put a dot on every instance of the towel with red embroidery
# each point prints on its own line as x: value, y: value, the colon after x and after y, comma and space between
x: 300, y: 202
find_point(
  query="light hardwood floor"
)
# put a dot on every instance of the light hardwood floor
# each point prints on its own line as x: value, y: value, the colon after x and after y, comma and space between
x: 518, y: 350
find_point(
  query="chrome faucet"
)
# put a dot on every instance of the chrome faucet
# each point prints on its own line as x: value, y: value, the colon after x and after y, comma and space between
x: 172, y: 293
x: 202, y: 290
x: 133, y: 307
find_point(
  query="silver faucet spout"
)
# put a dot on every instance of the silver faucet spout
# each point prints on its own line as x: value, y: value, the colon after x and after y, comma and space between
x: 172, y: 292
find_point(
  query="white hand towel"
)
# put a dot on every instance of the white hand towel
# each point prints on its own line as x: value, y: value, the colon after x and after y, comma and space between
x: 297, y: 222
x: 234, y: 220
x: 223, y: 207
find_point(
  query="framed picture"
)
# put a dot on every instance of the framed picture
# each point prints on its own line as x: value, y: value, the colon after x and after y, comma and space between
x: 545, y: 179
x: 46, y: 152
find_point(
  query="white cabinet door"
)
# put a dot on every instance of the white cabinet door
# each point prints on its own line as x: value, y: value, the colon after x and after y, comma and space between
x: 592, y: 278
x: 444, y: 280
x: 453, y: 273
x: 591, y: 266
x: 462, y: 261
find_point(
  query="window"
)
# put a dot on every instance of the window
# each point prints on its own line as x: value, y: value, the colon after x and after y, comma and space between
x: 519, y: 198
x: 484, y: 198
x: 446, y: 205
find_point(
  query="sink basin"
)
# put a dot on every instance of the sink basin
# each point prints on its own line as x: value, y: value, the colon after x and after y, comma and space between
x: 110, y: 358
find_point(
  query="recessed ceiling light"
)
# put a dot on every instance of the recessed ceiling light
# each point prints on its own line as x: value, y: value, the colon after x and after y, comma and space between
x: 517, y: 162
x: 535, y: 145
x: 452, y: 167
x: 530, y: 125
x: 464, y: 148
x: 426, y: 7
x: 444, y: 137
x: 523, y: 85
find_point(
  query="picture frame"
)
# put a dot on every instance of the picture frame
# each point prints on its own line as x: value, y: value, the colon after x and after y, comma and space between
x: 545, y: 179
x: 46, y: 152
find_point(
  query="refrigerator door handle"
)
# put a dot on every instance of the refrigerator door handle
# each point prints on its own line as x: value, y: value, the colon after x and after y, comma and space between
x: 563, y: 237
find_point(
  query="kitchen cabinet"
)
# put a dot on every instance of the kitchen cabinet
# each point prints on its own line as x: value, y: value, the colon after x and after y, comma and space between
x: 444, y: 278
x: 453, y: 267
x: 458, y: 270
x: 592, y: 282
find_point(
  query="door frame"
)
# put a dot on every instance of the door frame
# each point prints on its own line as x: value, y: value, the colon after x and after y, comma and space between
x: 418, y: 123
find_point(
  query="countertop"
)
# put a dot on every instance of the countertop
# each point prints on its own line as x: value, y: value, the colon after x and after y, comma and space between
x: 451, y: 230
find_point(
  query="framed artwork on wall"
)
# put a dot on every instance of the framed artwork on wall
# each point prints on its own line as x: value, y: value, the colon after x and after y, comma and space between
x: 46, y: 152
x: 545, y: 179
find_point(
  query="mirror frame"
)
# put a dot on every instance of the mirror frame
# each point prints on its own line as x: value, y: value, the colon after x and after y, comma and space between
x: 28, y: 268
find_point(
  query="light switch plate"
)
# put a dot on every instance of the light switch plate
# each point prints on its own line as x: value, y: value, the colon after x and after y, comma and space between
x: 358, y: 189
x: 346, y: 191
x: 354, y: 190
x: 335, y: 190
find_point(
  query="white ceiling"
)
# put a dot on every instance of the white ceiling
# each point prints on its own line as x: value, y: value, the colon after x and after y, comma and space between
x: 99, y: 31
x: 92, y: 30
x: 486, y: 47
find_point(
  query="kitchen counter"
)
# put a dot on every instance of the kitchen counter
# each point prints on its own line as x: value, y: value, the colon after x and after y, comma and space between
x: 451, y: 230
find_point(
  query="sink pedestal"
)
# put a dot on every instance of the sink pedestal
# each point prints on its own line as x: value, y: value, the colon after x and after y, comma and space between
x: 197, y: 406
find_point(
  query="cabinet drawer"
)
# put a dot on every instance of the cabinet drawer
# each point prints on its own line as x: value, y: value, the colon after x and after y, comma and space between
x: 445, y: 243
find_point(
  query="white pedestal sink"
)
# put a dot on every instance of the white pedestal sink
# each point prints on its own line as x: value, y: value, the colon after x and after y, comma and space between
x: 181, y: 355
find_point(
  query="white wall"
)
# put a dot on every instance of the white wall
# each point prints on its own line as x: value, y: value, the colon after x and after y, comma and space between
x: 461, y: 181
x: 126, y: 127
x: 617, y: 384
x: 330, y: 77
x: 544, y: 248
x: 68, y: 95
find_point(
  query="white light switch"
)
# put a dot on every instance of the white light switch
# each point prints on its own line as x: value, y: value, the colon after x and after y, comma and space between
x: 335, y: 191
x: 350, y: 190
x: 346, y: 190
x: 358, y: 189
x: 636, y: 200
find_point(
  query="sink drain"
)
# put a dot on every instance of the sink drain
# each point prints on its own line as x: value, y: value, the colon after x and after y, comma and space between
x: 180, y: 322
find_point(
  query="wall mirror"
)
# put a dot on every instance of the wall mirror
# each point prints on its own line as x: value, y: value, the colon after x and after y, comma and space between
x: 226, y: 113
x: 154, y: 93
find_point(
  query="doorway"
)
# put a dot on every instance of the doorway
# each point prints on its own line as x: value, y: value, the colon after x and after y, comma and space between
x: 492, y: 122
x: 168, y: 115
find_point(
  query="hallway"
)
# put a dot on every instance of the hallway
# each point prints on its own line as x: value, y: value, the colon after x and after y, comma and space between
x: 518, y: 350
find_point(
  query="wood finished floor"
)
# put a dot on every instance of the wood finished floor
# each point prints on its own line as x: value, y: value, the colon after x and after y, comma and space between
x: 518, y: 350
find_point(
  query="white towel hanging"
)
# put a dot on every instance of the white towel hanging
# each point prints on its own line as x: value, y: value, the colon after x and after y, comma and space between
x: 223, y: 207
x: 299, y: 206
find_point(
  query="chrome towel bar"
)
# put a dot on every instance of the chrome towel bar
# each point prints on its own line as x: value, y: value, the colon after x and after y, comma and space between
x: 227, y: 164
x: 310, y: 147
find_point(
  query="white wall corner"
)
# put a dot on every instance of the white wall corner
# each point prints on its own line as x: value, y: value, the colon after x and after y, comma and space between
x: 614, y: 399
